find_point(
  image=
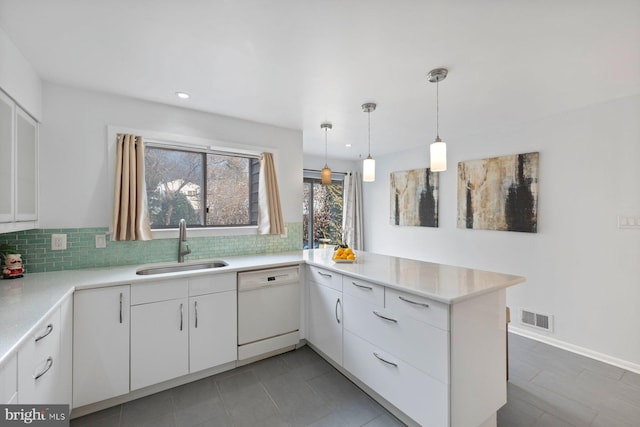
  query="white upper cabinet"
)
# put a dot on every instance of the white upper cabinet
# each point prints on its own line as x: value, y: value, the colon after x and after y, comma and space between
x: 26, y: 167
x: 7, y: 114
x: 18, y: 167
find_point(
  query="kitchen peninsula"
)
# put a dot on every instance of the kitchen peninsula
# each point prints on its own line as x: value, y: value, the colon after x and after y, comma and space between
x: 424, y: 339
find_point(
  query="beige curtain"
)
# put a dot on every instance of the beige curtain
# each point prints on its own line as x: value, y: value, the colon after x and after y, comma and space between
x: 130, y: 214
x: 270, y: 212
x: 352, y: 211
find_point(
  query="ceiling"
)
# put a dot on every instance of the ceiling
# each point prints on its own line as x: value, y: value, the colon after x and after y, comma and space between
x: 298, y: 63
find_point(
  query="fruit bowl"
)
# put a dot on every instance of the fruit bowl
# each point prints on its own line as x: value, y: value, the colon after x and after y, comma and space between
x: 344, y: 255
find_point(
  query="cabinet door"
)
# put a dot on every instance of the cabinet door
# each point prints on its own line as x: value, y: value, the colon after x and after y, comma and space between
x: 159, y: 342
x: 212, y: 330
x: 7, y: 111
x: 9, y: 380
x: 39, y: 364
x: 26, y: 167
x: 100, y: 344
x: 325, y: 320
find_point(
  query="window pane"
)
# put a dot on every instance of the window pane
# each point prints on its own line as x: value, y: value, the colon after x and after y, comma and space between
x: 321, y: 213
x: 229, y: 196
x: 174, y: 187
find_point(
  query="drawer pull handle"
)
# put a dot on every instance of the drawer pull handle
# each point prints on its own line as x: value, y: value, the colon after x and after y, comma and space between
x: 395, y: 365
x: 45, y: 333
x: 385, y: 317
x: 181, y: 315
x: 120, y: 307
x: 324, y: 274
x: 338, y: 303
x: 362, y: 286
x: 36, y: 377
x: 421, y: 304
x: 195, y: 307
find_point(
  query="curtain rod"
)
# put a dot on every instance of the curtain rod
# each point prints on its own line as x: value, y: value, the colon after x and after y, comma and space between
x: 152, y: 142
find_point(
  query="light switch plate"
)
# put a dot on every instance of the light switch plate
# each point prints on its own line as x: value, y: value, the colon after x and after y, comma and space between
x: 629, y: 221
x: 58, y: 242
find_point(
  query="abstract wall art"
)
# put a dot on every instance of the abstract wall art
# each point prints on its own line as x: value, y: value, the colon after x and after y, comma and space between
x: 500, y: 193
x: 414, y: 198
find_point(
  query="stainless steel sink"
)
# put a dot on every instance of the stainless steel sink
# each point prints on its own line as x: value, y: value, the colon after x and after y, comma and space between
x: 181, y: 267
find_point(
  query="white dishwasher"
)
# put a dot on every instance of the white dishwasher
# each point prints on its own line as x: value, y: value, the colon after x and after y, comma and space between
x: 268, y: 311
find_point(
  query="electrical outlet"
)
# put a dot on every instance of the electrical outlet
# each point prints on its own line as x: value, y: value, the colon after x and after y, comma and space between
x: 101, y: 241
x: 58, y: 242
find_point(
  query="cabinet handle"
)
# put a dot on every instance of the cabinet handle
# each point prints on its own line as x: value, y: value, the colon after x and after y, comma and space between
x: 324, y: 274
x: 45, y: 333
x: 338, y: 302
x: 395, y: 365
x: 37, y: 376
x: 385, y: 317
x: 362, y: 286
x: 195, y: 307
x: 413, y: 302
x: 181, y: 315
x: 120, y: 307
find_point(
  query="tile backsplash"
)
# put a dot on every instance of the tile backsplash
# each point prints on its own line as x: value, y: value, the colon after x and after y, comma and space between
x: 81, y: 252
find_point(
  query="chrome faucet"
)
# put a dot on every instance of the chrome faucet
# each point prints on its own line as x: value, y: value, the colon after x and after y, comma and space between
x: 183, y: 246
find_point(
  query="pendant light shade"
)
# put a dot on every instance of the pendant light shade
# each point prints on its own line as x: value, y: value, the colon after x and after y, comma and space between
x: 326, y: 171
x: 369, y: 164
x: 438, y: 148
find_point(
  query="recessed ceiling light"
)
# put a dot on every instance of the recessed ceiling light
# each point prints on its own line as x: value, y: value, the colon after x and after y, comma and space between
x: 182, y: 95
x: 347, y: 145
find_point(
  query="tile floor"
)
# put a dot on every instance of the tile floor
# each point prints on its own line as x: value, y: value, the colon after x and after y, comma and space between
x: 547, y: 387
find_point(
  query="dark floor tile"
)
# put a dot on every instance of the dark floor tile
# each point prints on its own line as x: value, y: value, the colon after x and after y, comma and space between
x: 194, y: 393
x: 607, y: 418
x: 518, y: 413
x: 631, y: 378
x: 138, y: 412
x: 167, y: 420
x: 331, y: 420
x: 548, y: 420
x: 296, y: 400
x: 107, y: 417
x: 269, y: 368
x: 203, y: 413
x: 247, y: 401
x: 384, y: 420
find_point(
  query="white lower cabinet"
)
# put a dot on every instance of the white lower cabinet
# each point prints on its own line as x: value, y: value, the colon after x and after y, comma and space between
x: 325, y: 320
x: 159, y: 342
x: 213, y: 331
x: 413, y: 392
x: 41, y: 364
x: 9, y: 381
x: 100, y: 344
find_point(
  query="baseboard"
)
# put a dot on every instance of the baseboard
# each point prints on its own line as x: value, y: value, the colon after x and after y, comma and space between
x: 620, y: 363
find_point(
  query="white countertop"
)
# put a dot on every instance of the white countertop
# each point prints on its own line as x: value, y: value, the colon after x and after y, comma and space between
x: 27, y: 300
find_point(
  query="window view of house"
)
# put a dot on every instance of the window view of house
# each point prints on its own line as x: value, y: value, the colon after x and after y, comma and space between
x: 206, y: 189
x: 321, y: 213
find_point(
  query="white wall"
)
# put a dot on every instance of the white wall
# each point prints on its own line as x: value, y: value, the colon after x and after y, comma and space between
x: 579, y: 266
x: 75, y: 179
x: 19, y: 79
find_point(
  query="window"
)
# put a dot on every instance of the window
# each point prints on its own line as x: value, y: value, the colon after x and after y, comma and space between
x: 321, y: 211
x: 207, y: 189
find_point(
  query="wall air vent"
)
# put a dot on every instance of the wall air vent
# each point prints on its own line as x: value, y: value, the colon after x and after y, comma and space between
x: 537, y: 320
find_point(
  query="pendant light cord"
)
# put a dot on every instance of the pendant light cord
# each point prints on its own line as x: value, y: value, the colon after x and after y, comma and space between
x: 369, y: 127
x: 325, y: 147
x: 437, y: 109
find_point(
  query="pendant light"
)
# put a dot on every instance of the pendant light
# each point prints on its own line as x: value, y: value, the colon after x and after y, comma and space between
x: 369, y: 165
x: 326, y: 172
x: 438, y: 148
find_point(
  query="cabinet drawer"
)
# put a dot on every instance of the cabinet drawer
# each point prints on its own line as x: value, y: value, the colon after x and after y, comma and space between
x: 419, y: 396
x: 423, y: 309
x: 423, y: 346
x: 163, y: 290
x: 212, y: 283
x: 39, y: 363
x: 326, y: 277
x: 367, y: 291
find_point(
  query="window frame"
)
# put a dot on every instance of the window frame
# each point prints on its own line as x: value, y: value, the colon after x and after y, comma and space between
x: 182, y: 142
x: 312, y: 176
